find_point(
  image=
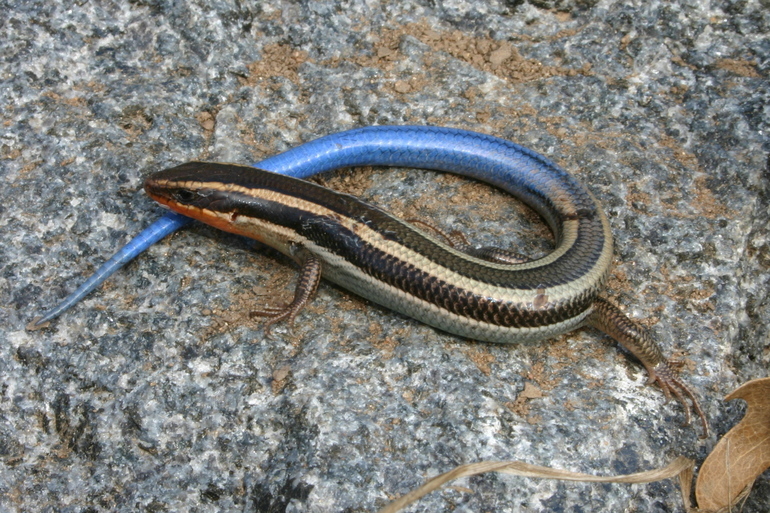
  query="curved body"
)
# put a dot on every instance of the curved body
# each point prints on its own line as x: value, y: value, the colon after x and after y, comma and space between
x: 486, y: 295
x: 374, y: 254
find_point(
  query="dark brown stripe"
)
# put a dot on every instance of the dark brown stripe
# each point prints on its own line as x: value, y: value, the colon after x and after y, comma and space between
x: 575, y: 263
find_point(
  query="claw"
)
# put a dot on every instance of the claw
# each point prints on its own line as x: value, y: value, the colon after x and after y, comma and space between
x: 268, y: 311
x: 670, y: 383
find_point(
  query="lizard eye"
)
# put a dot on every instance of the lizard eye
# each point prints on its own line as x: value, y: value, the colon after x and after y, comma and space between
x: 184, y: 196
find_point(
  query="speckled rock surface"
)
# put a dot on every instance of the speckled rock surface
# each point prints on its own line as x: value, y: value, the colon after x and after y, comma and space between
x: 159, y: 393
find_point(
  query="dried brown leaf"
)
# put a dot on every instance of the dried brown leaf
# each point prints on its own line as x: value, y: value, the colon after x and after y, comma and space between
x: 675, y: 468
x: 741, y: 455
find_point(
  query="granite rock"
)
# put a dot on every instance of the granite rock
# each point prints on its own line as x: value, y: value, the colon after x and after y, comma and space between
x: 160, y: 393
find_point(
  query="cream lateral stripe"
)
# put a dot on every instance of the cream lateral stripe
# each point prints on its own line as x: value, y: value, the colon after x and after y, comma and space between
x: 569, y: 234
x: 396, y: 299
x: 274, y: 235
x: 509, y: 294
x: 374, y: 238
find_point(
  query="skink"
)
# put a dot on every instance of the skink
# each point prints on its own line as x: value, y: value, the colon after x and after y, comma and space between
x: 479, y: 293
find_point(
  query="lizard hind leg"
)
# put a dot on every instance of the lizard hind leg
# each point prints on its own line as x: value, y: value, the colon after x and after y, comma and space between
x: 608, y: 318
x: 459, y: 241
